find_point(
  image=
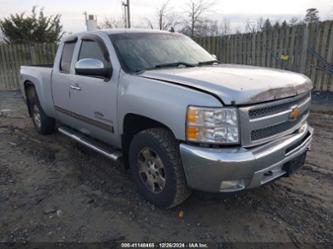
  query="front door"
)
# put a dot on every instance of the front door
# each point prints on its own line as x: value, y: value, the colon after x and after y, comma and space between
x: 93, y: 99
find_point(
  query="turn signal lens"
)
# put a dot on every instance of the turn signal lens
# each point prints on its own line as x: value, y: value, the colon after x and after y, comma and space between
x: 192, y: 133
x: 192, y: 116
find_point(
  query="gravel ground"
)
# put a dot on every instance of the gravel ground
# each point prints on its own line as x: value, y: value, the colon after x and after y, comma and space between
x: 52, y: 190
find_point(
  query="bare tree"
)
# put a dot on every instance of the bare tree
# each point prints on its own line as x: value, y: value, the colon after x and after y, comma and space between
x: 167, y: 18
x: 255, y: 26
x: 225, y: 27
x: 294, y: 21
x: 161, y: 13
x: 207, y: 28
x: 238, y: 31
x: 149, y: 23
x: 250, y: 26
x: 111, y: 23
x: 260, y: 24
x: 196, y: 11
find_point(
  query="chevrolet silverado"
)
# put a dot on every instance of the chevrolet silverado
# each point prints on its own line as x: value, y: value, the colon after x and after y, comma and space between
x: 178, y: 118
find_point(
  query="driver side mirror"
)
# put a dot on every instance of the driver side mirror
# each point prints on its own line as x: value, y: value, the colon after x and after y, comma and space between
x: 93, y: 67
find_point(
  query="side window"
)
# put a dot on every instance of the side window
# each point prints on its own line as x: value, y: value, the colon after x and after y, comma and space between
x: 91, y: 49
x: 66, y: 57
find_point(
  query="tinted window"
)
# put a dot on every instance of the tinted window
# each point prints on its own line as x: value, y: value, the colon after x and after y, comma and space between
x: 91, y: 49
x: 66, y: 58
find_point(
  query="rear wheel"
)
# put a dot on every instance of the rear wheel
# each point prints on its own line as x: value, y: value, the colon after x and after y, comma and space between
x: 43, y: 123
x: 157, y: 169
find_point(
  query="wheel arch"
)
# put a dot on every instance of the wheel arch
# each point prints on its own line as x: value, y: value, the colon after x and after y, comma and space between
x: 28, y: 85
x: 133, y: 124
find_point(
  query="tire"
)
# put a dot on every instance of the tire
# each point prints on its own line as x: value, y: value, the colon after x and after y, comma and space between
x: 43, y: 124
x: 151, y: 150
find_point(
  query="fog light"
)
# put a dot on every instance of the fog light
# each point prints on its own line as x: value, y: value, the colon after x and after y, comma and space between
x: 233, y: 185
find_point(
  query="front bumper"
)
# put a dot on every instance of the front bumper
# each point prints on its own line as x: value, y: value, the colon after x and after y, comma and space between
x: 235, y: 169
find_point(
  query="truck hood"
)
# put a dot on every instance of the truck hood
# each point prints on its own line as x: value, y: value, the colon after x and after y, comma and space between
x: 236, y: 84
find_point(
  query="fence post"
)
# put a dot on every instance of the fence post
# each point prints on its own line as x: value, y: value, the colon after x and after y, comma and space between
x: 11, y: 63
x: 304, y: 47
x: 329, y: 78
x: 3, y: 71
x: 323, y: 53
x: 291, y: 49
x: 231, y: 49
x: 15, y: 67
x: 32, y: 51
x: 253, y: 55
x: 264, y: 49
x: 7, y: 67
x: 314, y: 71
x: 248, y: 48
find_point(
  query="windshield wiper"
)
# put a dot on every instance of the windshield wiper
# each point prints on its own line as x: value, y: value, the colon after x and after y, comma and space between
x: 174, y: 64
x: 208, y: 62
x: 177, y: 64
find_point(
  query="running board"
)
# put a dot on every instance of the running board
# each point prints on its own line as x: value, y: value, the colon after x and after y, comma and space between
x: 91, y: 143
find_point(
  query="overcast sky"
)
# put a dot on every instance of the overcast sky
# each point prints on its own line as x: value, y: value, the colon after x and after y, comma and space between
x: 237, y: 11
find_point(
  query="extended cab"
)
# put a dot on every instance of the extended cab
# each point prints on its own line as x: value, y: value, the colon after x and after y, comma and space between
x: 179, y: 119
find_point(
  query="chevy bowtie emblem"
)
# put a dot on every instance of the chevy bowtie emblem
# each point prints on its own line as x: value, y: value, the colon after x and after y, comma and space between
x: 295, y: 112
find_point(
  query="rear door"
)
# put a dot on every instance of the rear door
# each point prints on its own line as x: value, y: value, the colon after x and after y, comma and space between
x: 94, y: 99
x: 61, y: 79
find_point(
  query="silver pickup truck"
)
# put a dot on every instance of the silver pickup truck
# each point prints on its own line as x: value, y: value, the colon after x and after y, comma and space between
x: 179, y: 119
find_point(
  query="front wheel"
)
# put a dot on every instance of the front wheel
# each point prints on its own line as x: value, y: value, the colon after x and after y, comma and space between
x: 157, y: 169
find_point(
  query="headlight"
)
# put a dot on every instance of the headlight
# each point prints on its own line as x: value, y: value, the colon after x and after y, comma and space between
x: 212, y: 125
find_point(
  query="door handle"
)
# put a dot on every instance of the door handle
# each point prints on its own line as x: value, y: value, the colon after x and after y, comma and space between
x: 75, y: 87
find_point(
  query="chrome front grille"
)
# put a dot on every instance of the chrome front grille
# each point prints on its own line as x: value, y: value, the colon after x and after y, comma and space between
x: 265, y: 122
x: 271, y: 109
x: 275, y: 129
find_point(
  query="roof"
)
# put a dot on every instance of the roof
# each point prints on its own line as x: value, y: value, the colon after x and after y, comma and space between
x: 119, y: 31
x: 115, y: 31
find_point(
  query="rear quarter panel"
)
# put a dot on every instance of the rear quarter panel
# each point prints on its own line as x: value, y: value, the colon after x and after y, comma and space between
x: 40, y: 77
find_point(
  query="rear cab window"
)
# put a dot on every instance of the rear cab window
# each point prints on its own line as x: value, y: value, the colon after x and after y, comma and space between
x: 66, y: 57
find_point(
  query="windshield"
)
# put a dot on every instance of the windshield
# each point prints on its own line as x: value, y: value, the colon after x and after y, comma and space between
x: 143, y: 51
